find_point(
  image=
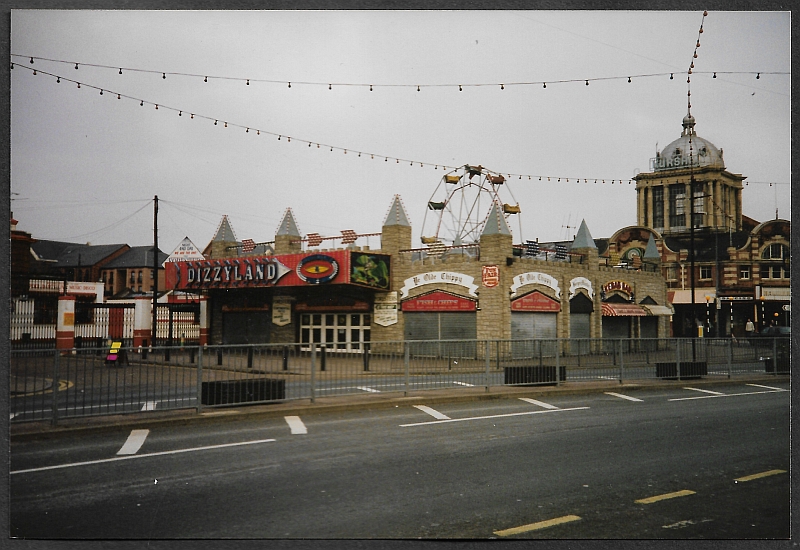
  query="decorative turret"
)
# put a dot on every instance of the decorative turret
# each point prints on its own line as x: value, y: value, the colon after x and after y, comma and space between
x: 287, y: 237
x: 651, y: 254
x: 496, y: 237
x: 396, y: 230
x: 584, y: 244
x: 223, y: 245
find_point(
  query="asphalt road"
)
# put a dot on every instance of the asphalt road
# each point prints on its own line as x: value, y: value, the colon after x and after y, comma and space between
x: 700, y: 465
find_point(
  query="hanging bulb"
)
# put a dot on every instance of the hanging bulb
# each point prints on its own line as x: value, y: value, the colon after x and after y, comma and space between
x: 141, y: 104
x: 370, y: 87
x: 215, y: 123
x: 329, y: 87
x: 79, y: 84
x: 279, y: 138
x: 502, y: 87
x: 290, y: 84
x: 692, y: 65
x: 359, y: 155
x: 690, y: 71
x: 688, y: 80
x: 247, y: 131
x: 119, y: 96
x: 386, y: 159
x: 31, y: 60
x: 205, y: 79
x: 695, y: 55
x: 698, y: 44
x: 758, y: 76
x: 715, y: 75
x: 258, y: 133
x: 164, y: 75
x: 544, y: 85
x: 156, y: 106
x: 317, y: 145
x: 587, y: 82
x: 101, y: 92
x: 417, y: 88
x: 120, y: 70
x: 58, y: 80
x: 248, y: 81
x: 398, y: 161
x: 548, y: 178
x: 34, y: 72
x: 76, y: 66
x: 192, y: 117
x: 705, y: 14
x: 459, y: 88
x: 670, y: 76
x: 629, y: 79
x: 180, y: 113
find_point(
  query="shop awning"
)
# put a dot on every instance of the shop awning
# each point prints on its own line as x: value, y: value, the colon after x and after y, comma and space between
x: 685, y: 296
x: 622, y: 310
x: 658, y: 310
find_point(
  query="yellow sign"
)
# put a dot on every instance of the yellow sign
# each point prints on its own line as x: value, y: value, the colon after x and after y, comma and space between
x: 69, y: 319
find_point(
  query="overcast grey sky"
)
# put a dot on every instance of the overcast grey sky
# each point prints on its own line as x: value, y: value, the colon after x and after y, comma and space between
x: 85, y: 166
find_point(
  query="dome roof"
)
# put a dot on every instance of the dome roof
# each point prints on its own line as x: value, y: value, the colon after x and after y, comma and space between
x: 689, y: 149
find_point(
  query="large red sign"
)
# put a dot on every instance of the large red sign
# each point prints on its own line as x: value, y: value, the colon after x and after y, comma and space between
x: 535, y: 301
x: 439, y: 301
x: 260, y: 271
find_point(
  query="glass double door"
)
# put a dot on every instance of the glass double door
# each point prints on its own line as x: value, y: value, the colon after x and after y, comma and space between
x: 336, y: 331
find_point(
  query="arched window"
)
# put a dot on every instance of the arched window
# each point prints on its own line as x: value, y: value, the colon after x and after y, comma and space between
x: 777, y: 264
x: 775, y: 251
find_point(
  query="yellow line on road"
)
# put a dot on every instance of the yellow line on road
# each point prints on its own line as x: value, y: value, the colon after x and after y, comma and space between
x: 535, y: 526
x: 665, y: 496
x: 762, y: 474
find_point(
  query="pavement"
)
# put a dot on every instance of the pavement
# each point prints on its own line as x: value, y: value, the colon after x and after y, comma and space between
x: 324, y: 405
x: 28, y: 384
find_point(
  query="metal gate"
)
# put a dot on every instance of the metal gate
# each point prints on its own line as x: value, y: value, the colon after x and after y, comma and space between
x: 96, y: 323
x: 178, y: 323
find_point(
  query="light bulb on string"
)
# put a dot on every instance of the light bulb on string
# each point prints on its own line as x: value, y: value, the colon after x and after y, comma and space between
x: 141, y: 104
x: 370, y: 87
x: 279, y: 138
x: 695, y: 55
x: 119, y: 96
x: 205, y: 79
x: 290, y: 84
x: 101, y: 92
x: 120, y: 70
x: 587, y: 82
x: 192, y: 117
x: 31, y: 60
x: 180, y: 113
x: 459, y: 88
x: 76, y: 66
x: 670, y: 76
x: 329, y: 87
x: 417, y: 87
x: 544, y: 85
x: 247, y: 131
x: 698, y: 44
x: 758, y: 76
x: 164, y: 76
x: 502, y: 87
x: 629, y: 79
x: 215, y: 123
x: 248, y: 81
x: 58, y: 80
x: 79, y: 85
x: 156, y: 106
x: 715, y: 75
x: 34, y: 72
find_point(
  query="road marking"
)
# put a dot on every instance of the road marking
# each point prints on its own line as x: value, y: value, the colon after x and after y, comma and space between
x: 628, y: 397
x: 705, y: 391
x: 541, y: 404
x: 464, y: 384
x: 364, y: 388
x: 535, y: 526
x: 134, y: 442
x: 767, y: 387
x: 148, y: 455
x: 433, y: 412
x: 296, y: 425
x: 724, y: 395
x: 486, y: 417
x: 762, y: 474
x: 12, y: 415
x: 149, y: 406
x: 665, y: 496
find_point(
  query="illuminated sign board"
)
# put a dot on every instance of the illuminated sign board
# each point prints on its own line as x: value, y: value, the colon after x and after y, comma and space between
x: 535, y: 301
x: 439, y: 301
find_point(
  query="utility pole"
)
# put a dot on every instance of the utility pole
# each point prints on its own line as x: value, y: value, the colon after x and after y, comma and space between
x: 155, y: 268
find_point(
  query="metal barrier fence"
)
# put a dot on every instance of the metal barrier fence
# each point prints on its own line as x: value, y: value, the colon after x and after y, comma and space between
x: 52, y: 385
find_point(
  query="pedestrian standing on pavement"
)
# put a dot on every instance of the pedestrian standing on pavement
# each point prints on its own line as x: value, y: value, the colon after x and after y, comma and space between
x: 749, y: 327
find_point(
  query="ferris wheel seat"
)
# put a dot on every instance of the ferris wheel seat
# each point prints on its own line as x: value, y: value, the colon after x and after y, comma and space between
x: 436, y: 205
x: 511, y: 209
x: 452, y: 178
x: 496, y: 180
x: 428, y: 240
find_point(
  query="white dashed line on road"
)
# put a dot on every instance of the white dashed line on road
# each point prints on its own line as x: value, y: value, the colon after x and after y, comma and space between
x: 464, y: 384
x: 767, y: 387
x: 365, y: 388
x: 433, y: 412
x: 540, y: 403
x: 149, y: 406
x: 490, y: 416
x: 134, y: 442
x: 296, y: 425
x: 628, y: 397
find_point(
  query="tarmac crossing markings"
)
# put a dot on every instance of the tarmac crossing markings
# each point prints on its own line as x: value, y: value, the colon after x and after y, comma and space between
x: 767, y: 387
x: 621, y: 396
x: 540, y: 403
x: 134, y: 442
x: 296, y: 425
x: 665, y: 496
x: 718, y: 394
x: 705, y: 391
x: 760, y: 475
x: 149, y: 406
x: 365, y: 388
x: 536, y: 526
x: 507, y: 415
x: 433, y: 412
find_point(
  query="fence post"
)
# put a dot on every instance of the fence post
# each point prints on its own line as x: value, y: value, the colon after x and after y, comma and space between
x: 55, y: 387
x: 322, y: 357
x: 366, y: 356
x: 219, y: 356
x: 678, y: 358
x: 199, y: 379
x: 405, y: 361
x: 621, y: 363
x: 486, y: 352
x: 313, y: 369
x: 250, y: 357
x: 730, y: 356
x: 558, y: 362
x: 775, y: 356
x: 285, y: 357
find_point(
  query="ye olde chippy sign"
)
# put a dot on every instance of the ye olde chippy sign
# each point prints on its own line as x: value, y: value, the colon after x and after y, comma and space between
x: 491, y: 276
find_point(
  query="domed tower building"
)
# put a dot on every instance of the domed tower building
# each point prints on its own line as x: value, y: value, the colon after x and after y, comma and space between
x: 721, y: 267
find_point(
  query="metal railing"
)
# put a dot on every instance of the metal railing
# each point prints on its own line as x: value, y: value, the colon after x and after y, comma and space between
x: 58, y: 384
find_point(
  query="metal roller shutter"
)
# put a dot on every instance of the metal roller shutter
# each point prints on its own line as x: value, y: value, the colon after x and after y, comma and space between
x: 245, y: 327
x: 527, y: 326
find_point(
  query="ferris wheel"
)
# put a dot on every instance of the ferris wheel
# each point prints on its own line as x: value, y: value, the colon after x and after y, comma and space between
x: 458, y: 208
